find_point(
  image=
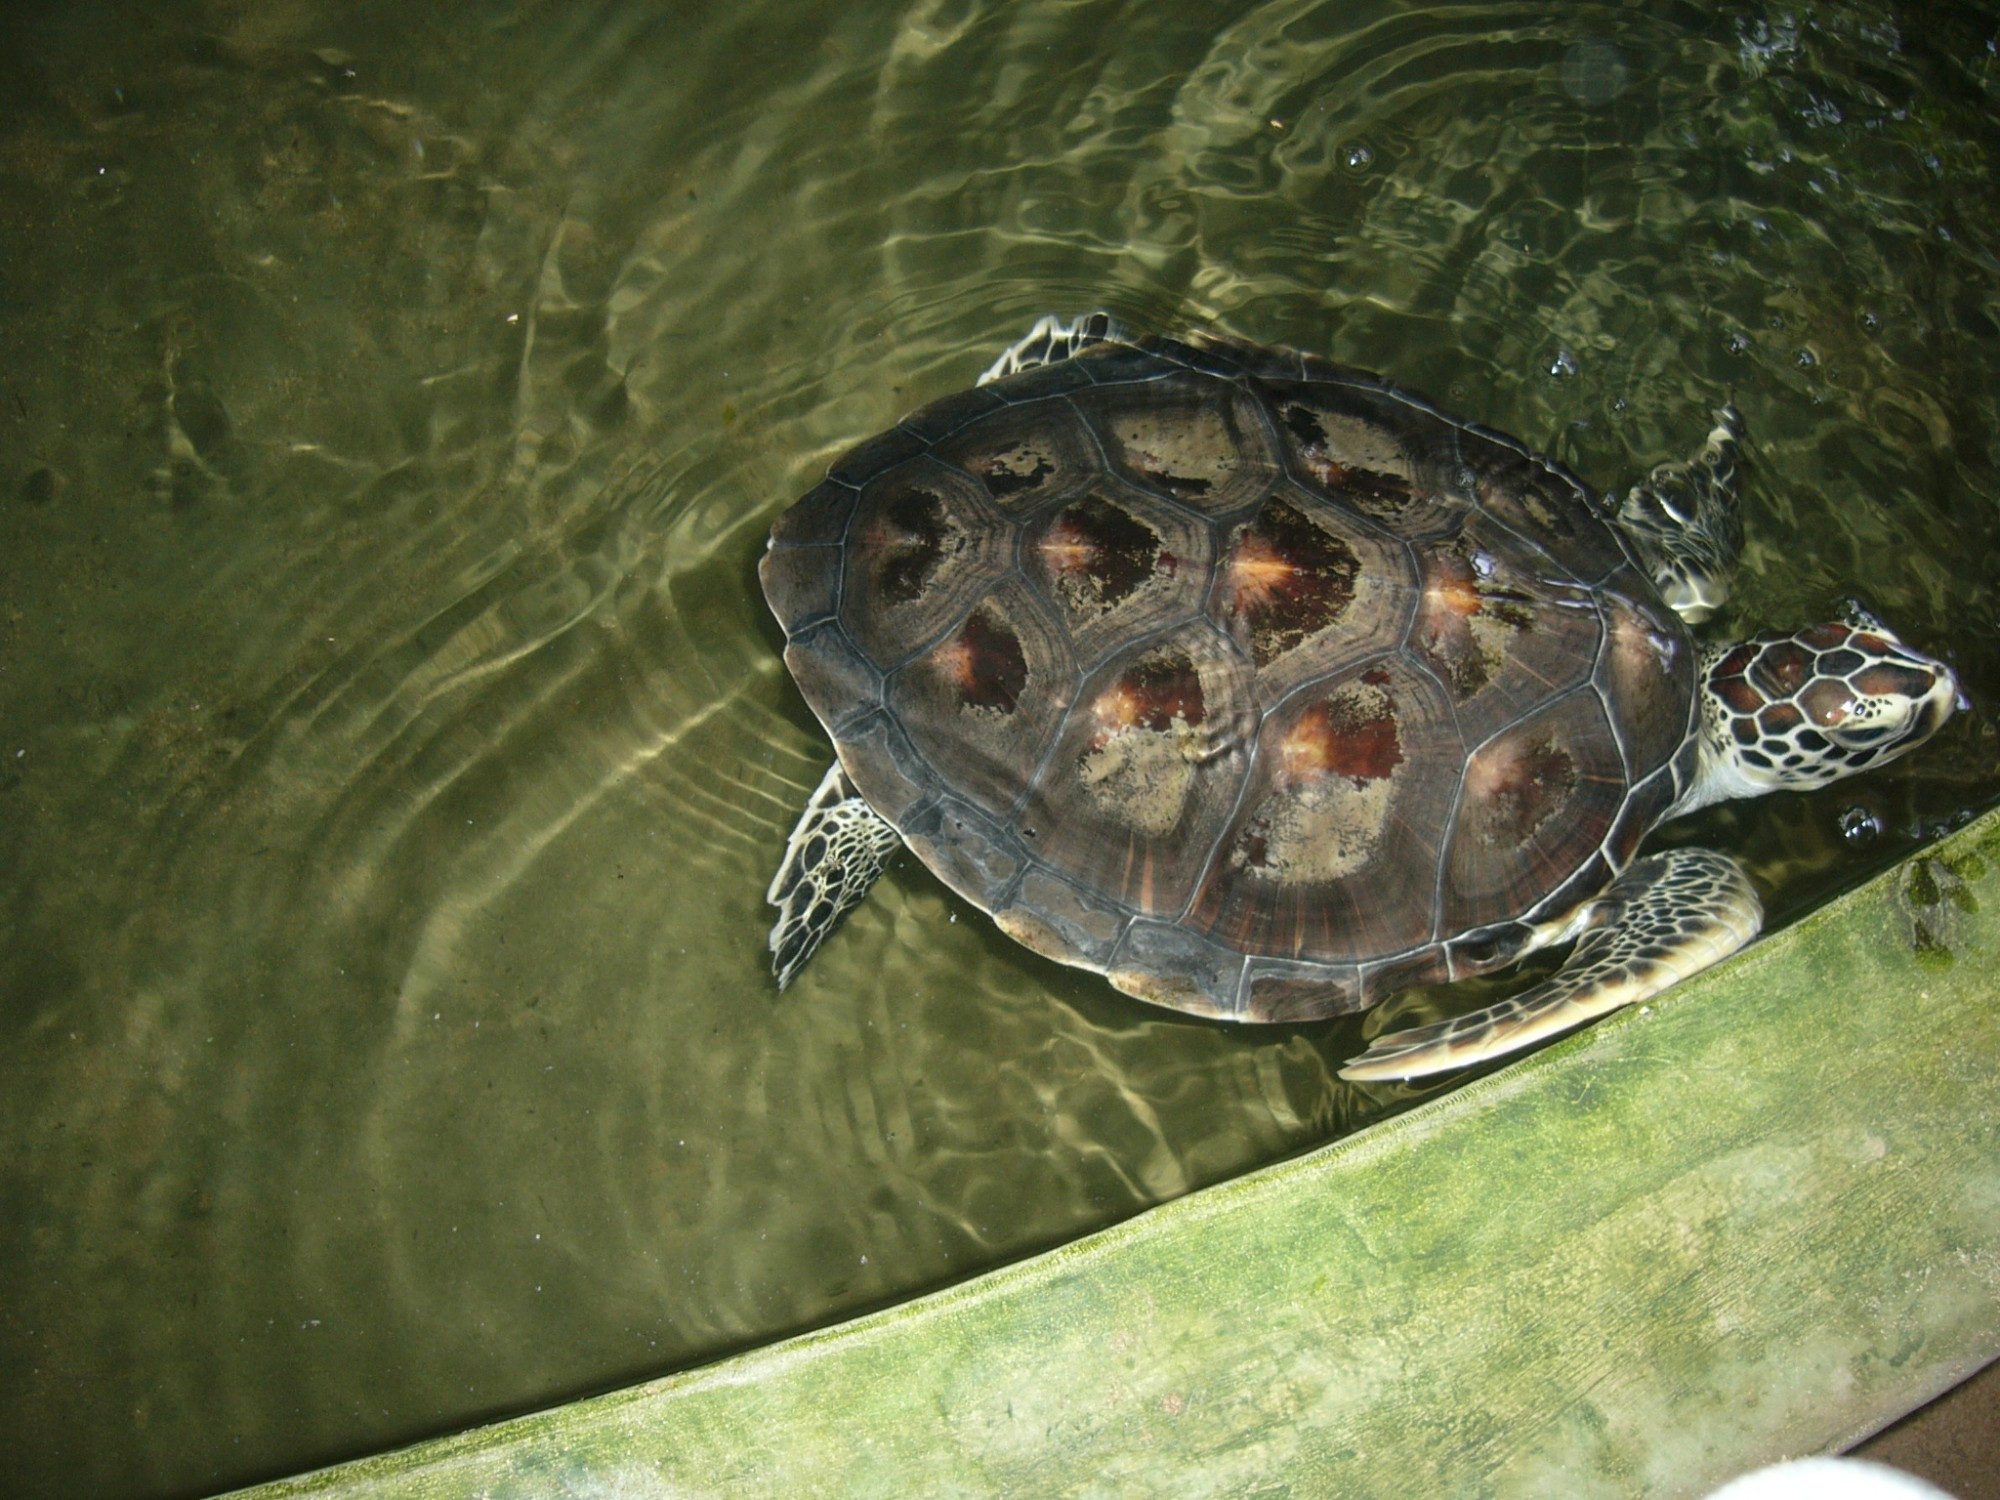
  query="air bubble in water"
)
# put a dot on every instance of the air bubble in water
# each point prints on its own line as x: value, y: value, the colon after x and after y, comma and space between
x: 1593, y: 72
x: 1860, y: 825
x: 1563, y: 365
x: 1358, y: 157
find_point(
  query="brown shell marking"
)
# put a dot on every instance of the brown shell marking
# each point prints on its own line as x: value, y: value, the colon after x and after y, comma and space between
x: 1343, y: 455
x: 1286, y: 579
x: 984, y: 663
x: 1203, y: 445
x: 910, y: 538
x: 1351, y: 734
x: 1468, y: 625
x: 1011, y: 469
x: 987, y: 696
x: 1097, y: 555
x: 1328, y: 811
x: 1025, y: 454
x: 1512, y: 790
x: 1141, y: 762
x: 1160, y: 693
x: 921, y: 551
x: 1456, y: 630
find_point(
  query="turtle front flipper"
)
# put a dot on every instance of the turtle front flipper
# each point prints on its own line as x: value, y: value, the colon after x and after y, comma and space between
x: 1665, y: 918
x: 832, y: 860
x: 1685, y: 521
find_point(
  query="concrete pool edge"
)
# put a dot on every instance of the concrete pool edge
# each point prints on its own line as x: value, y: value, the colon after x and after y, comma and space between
x: 1729, y: 1227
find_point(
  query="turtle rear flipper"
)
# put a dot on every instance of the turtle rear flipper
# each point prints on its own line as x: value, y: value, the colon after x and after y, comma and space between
x: 1665, y: 918
x: 832, y: 860
x: 1050, y: 340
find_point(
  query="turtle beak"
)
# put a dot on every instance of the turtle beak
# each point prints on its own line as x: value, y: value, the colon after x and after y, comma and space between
x: 1929, y: 690
x: 1941, y: 702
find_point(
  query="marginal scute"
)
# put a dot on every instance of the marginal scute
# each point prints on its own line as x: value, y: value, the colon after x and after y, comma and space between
x: 819, y: 520
x: 965, y: 849
x: 1172, y: 990
x: 885, y: 767
x: 1035, y: 933
x: 879, y: 455
x: 1061, y: 922
x: 829, y: 668
x: 803, y: 583
x: 1282, y: 997
x: 938, y: 421
x: 1172, y: 965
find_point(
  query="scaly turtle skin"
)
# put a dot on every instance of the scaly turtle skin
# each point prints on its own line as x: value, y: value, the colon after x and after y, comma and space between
x: 1266, y: 689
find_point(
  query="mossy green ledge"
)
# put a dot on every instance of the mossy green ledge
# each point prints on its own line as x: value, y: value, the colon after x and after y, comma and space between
x: 1756, y: 1219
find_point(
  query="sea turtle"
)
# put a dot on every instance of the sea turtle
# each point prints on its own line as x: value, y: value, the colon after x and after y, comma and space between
x: 1265, y: 688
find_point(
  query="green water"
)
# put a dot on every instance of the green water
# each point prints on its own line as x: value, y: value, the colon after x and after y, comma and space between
x: 393, y: 748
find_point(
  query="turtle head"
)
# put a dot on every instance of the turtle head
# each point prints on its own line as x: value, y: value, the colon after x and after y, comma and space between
x: 1793, y: 712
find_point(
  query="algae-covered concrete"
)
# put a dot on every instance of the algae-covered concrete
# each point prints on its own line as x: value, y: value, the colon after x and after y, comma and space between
x: 1759, y: 1218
